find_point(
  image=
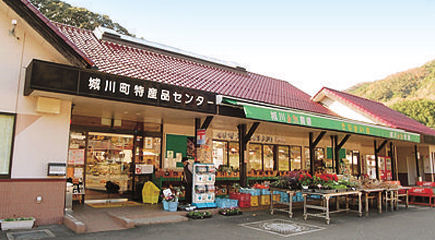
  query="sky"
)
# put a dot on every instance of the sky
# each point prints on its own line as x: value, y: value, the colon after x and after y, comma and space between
x: 308, y: 43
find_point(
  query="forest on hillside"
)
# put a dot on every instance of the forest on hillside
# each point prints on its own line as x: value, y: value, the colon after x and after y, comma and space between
x: 410, y: 92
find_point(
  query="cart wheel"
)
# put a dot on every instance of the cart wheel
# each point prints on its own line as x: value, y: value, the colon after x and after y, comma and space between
x: 271, y: 212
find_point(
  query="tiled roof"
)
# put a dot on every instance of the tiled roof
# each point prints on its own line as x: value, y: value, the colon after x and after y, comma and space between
x: 157, y: 66
x: 381, y: 113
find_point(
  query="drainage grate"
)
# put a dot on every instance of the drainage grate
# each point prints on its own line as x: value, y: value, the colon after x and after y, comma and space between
x: 30, y: 235
x: 283, y: 228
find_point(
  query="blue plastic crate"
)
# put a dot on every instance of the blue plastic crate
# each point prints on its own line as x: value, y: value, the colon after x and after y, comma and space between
x: 284, y: 197
x: 315, y: 196
x: 265, y: 192
x: 226, y: 203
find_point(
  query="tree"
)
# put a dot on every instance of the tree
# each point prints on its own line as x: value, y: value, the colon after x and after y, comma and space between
x: 420, y: 110
x: 61, y: 12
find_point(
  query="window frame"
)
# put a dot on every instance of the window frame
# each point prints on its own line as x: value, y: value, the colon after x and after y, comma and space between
x: 14, y: 115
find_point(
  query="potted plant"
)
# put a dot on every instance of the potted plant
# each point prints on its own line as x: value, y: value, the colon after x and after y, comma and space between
x: 17, y: 223
x: 305, y: 180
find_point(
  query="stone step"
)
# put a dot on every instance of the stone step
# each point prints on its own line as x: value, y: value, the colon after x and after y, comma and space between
x: 159, y: 220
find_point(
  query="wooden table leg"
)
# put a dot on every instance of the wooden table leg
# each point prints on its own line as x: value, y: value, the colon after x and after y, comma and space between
x: 347, y: 202
x: 327, y: 209
x: 379, y: 202
x: 337, y: 202
x: 271, y: 202
x: 290, y: 204
x: 392, y: 200
x: 305, y: 207
x: 366, y: 195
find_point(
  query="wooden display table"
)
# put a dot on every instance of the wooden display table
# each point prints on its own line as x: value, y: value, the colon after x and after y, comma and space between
x: 368, y: 194
x: 325, y: 209
x: 289, y: 208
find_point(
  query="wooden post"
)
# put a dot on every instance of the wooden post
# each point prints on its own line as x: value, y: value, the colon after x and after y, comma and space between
x: 416, y: 160
x: 376, y: 160
x: 242, y: 149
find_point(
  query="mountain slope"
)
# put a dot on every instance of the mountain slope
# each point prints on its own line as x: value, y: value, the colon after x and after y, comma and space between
x: 410, y: 92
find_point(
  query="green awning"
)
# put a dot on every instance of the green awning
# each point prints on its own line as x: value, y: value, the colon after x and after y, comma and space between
x: 299, y: 118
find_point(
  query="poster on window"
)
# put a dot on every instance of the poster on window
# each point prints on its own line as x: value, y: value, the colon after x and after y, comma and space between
x: 148, y: 143
x: 76, y: 157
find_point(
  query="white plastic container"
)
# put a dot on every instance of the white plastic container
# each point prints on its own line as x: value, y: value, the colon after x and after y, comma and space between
x: 18, y: 224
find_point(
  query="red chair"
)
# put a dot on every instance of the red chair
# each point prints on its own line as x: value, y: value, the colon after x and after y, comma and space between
x: 425, y: 193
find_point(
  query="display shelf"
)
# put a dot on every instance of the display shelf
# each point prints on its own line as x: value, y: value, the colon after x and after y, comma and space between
x: 263, y: 178
x: 227, y: 179
x: 203, y: 187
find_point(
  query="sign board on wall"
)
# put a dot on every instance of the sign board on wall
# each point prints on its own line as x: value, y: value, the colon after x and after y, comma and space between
x: 56, y: 169
x: 76, y: 157
x: 144, y: 169
x: 46, y: 76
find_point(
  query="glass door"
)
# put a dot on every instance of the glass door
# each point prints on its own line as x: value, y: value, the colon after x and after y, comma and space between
x: 108, y: 165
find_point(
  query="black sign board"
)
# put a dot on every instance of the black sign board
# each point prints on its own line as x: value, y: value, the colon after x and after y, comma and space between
x: 59, y: 78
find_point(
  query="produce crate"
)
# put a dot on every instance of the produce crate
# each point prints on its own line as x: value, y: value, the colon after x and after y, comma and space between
x: 276, y: 197
x: 255, y: 201
x: 251, y: 191
x: 284, y: 197
x: 265, y: 192
x: 226, y: 203
x: 265, y: 199
x: 245, y: 204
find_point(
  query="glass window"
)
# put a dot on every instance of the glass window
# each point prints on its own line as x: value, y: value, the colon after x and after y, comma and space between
x: 219, y: 153
x: 151, y: 151
x: 254, y: 158
x: 268, y: 157
x: 307, y: 158
x: 234, y: 154
x: 6, y: 136
x: 296, y: 157
x: 283, y: 158
x: 319, y: 156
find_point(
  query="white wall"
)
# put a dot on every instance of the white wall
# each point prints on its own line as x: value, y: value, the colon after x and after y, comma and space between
x: 40, y: 138
x: 345, y: 111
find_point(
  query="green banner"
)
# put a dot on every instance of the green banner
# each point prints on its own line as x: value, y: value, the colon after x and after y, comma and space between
x: 308, y: 120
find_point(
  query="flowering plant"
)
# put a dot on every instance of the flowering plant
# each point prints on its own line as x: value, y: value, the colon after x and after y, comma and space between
x: 305, y: 179
x: 170, y: 195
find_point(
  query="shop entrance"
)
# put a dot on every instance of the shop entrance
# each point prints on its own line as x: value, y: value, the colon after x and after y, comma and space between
x: 108, y: 166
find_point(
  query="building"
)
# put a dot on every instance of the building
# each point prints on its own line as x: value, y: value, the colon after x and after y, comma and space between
x: 97, y: 106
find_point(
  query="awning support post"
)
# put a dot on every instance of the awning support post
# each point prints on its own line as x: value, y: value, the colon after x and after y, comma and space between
x: 243, y: 141
x: 416, y: 160
x: 377, y: 150
x: 337, y: 148
x: 393, y: 162
x: 312, y: 147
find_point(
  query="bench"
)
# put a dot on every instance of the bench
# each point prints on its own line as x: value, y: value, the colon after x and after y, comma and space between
x: 423, y: 193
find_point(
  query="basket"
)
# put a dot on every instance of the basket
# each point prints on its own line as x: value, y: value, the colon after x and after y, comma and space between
x: 170, y: 206
x: 284, y: 197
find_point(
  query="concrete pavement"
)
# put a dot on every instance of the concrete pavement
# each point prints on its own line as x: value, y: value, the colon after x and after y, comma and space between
x: 412, y: 223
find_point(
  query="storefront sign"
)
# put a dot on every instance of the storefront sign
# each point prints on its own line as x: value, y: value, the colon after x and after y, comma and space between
x: 144, y: 169
x: 309, y: 120
x: 64, y: 79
